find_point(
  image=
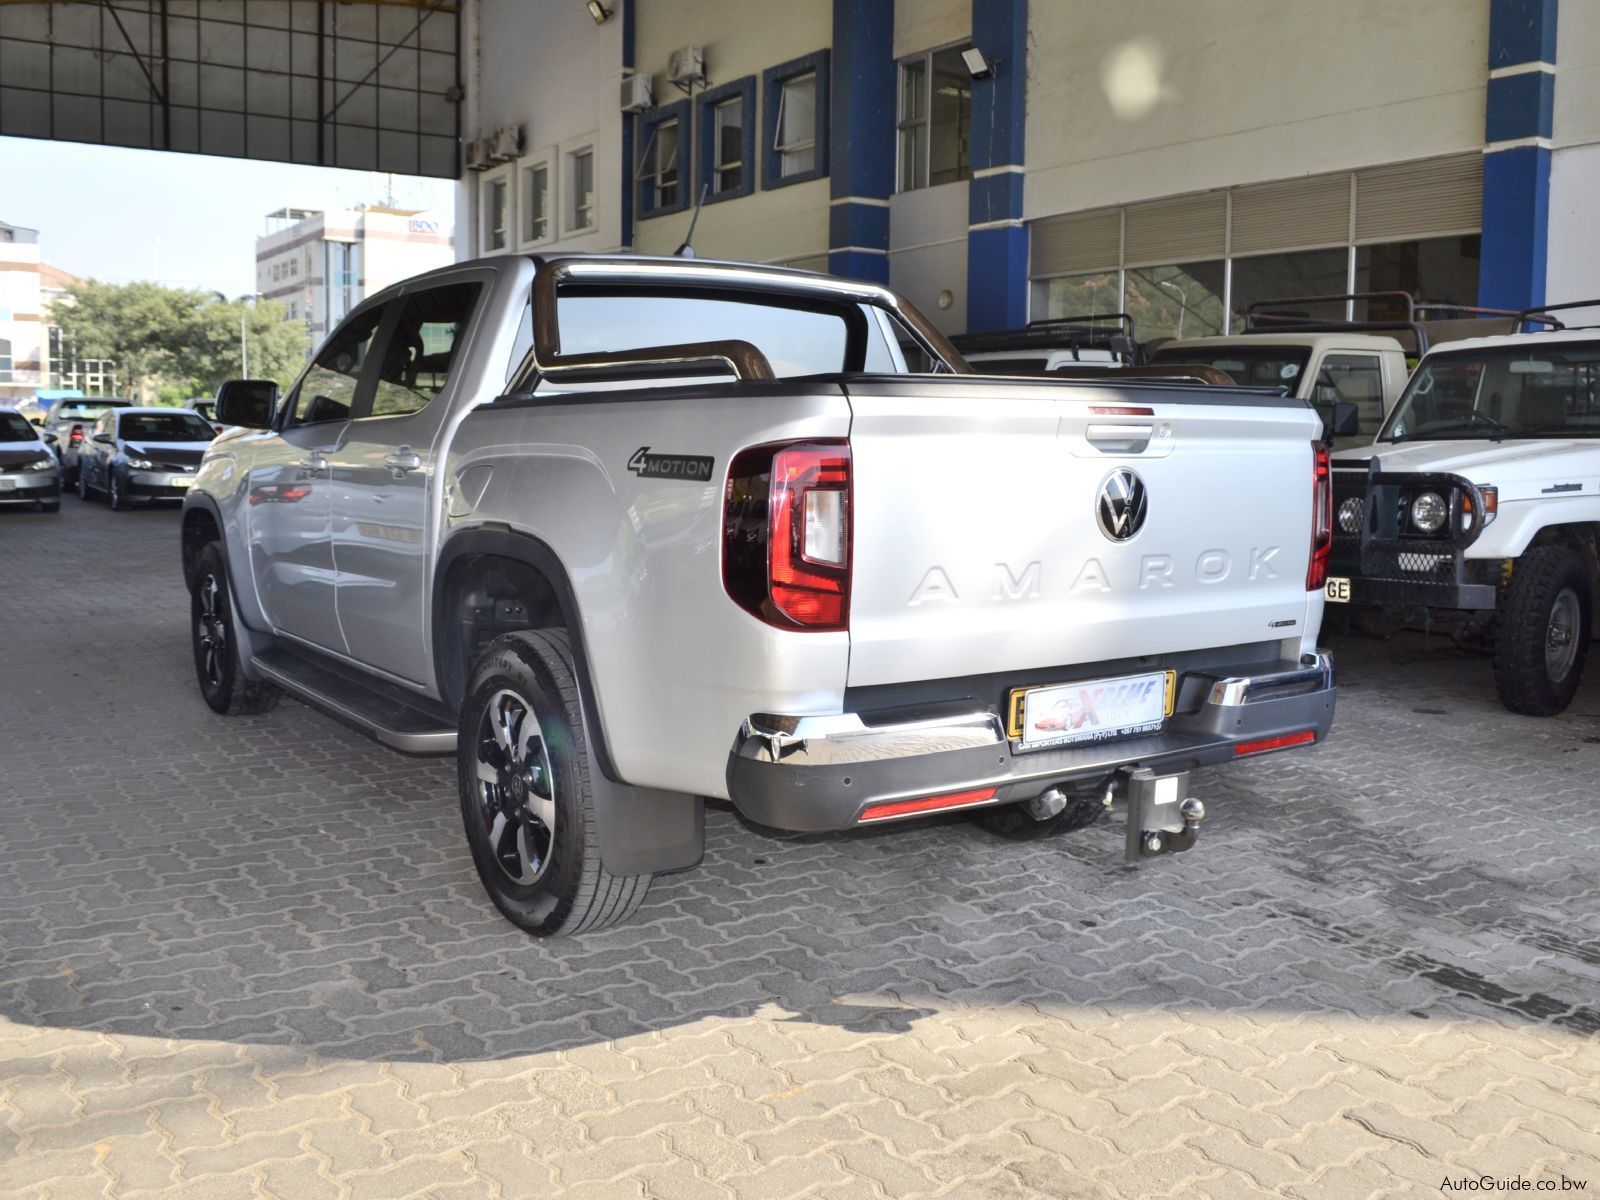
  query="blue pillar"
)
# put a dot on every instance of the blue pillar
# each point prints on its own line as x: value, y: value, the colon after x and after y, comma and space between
x: 861, y: 138
x: 1518, y: 124
x: 997, y: 239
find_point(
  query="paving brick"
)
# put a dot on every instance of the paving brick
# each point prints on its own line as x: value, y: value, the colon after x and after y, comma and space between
x: 219, y: 983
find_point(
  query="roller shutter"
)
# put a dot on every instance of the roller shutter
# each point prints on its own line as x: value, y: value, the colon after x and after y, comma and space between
x: 1292, y: 215
x: 1077, y: 243
x: 1186, y: 229
x: 1431, y: 198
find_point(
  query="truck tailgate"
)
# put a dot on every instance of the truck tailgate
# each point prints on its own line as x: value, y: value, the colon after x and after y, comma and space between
x: 977, y: 546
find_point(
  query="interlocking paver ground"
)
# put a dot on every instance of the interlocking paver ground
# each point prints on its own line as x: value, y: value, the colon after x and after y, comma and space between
x: 250, y: 958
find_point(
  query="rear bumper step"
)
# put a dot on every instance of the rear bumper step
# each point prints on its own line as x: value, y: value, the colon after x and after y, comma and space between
x: 824, y: 772
x: 382, y: 711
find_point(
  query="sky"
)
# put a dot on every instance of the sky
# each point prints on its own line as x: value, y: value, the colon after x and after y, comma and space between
x: 184, y: 220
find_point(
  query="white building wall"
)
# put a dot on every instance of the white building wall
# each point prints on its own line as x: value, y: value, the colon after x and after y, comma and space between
x: 22, y: 318
x: 928, y: 251
x: 928, y: 24
x: 1573, y: 262
x: 780, y: 225
x: 1147, y: 98
x: 549, y: 69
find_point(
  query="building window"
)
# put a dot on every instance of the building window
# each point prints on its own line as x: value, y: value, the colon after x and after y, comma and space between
x: 726, y: 123
x: 1178, y: 301
x: 496, y: 221
x: 1295, y: 273
x: 662, y: 180
x: 935, y: 120
x: 580, y: 170
x: 795, y: 121
x: 5, y: 360
x: 533, y: 193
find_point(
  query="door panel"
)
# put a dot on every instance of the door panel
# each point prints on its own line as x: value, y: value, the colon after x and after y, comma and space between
x: 382, y: 476
x: 290, y: 501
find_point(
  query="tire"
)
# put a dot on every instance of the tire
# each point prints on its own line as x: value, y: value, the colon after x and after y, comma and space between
x: 81, y: 483
x: 119, y: 502
x: 1013, y: 821
x: 533, y: 831
x: 1542, y: 638
x: 216, y: 645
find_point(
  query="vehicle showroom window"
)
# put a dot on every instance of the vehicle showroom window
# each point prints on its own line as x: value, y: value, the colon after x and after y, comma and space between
x: 794, y: 121
x: 580, y: 170
x: 534, y: 198
x: 727, y: 141
x: 496, y: 217
x: 420, y: 351
x: 935, y: 120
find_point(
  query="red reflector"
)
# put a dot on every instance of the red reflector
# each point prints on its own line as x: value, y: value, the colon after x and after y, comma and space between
x: 1282, y: 742
x: 1101, y: 410
x: 906, y: 808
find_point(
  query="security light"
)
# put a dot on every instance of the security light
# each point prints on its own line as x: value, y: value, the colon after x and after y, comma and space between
x: 978, y: 66
x: 598, y: 11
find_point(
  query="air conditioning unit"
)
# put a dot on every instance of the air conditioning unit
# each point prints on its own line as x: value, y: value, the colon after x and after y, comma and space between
x: 638, y: 94
x: 506, y: 143
x: 478, y: 155
x: 687, y: 67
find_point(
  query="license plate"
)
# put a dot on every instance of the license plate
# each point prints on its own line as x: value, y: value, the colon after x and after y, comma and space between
x: 1337, y: 590
x: 1094, y: 710
x: 183, y: 481
x: 7, y: 485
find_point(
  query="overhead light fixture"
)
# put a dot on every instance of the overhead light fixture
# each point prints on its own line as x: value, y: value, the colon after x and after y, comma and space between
x: 978, y: 66
x: 598, y: 11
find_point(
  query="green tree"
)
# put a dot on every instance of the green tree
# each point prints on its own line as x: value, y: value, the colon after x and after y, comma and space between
x: 170, y: 343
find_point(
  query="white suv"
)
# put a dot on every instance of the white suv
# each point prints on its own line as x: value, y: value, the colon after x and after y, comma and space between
x: 1478, y: 506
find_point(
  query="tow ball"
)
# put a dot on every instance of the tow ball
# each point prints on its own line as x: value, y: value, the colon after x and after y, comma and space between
x: 1162, y: 817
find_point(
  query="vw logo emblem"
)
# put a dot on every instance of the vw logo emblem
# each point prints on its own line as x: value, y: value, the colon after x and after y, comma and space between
x: 1121, y: 505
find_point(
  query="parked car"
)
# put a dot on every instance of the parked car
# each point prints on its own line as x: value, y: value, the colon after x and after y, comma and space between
x: 1478, y: 507
x: 208, y: 410
x: 622, y: 533
x: 70, y: 420
x: 29, y: 472
x: 142, y: 454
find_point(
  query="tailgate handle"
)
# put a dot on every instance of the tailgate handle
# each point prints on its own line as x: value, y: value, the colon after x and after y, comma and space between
x: 1123, y: 439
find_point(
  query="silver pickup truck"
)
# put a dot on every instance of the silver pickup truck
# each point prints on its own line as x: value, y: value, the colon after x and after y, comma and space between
x: 622, y: 534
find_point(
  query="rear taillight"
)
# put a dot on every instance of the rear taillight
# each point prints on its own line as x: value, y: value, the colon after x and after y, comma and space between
x: 1321, y: 519
x: 786, y: 534
x: 76, y: 435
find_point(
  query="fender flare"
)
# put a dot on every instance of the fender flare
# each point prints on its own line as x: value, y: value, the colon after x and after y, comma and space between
x: 642, y: 830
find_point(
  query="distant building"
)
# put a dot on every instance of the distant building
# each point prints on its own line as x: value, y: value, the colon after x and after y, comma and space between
x: 22, y: 342
x: 320, y: 265
x: 63, y: 369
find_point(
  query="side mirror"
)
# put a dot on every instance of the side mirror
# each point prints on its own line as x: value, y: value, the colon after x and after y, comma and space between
x: 247, y: 402
x: 105, y: 439
x: 37, y: 421
x: 50, y: 439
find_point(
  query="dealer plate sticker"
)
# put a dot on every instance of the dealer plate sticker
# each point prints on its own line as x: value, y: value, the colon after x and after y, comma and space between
x: 1337, y: 589
x: 1094, y: 710
x: 7, y: 485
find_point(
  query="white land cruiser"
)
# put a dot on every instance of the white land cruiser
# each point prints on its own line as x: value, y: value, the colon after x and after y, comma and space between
x: 1479, y: 505
x: 623, y: 533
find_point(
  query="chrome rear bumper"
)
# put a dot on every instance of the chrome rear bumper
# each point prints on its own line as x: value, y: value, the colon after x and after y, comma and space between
x: 823, y: 772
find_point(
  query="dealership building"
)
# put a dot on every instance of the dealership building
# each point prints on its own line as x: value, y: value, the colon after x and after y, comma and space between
x: 999, y: 161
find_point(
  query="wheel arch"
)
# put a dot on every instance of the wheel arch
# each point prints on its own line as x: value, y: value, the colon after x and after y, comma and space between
x: 202, y: 523
x: 506, y: 568
x: 1583, y: 539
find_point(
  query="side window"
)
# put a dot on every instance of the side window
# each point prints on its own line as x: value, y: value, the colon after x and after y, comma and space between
x: 421, y: 350
x: 1353, y: 379
x: 329, y: 387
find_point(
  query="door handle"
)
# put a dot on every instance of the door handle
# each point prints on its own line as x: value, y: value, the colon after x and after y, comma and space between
x: 1119, y: 439
x: 315, y: 461
x: 403, y: 460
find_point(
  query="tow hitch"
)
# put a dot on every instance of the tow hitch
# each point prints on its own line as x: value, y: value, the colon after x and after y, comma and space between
x: 1162, y: 817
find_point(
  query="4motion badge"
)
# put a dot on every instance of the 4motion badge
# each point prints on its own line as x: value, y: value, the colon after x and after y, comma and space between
x: 648, y: 465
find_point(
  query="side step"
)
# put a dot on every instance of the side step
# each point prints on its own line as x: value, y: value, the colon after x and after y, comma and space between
x: 384, y: 712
